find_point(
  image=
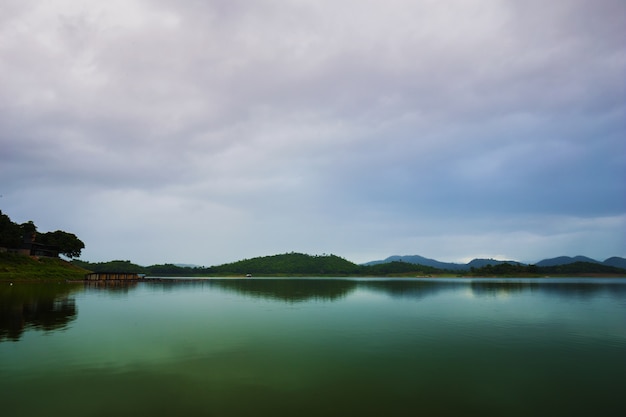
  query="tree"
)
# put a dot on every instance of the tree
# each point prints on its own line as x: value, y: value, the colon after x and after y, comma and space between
x: 13, y: 235
x: 67, y: 243
x: 10, y: 233
x: 29, y: 230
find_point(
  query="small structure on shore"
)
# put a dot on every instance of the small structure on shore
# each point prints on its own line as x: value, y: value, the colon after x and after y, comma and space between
x: 113, y: 276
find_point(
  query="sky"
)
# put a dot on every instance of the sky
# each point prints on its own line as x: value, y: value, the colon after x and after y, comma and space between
x: 209, y: 131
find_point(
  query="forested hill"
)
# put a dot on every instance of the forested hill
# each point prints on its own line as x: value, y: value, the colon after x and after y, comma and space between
x: 290, y: 263
x: 274, y: 265
x: 298, y: 264
x: 481, y: 263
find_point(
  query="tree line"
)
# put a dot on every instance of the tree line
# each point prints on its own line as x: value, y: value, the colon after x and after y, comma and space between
x: 274, y: 265
x: 575, y: 268
x: 14, y: 236
x: 298, y: 264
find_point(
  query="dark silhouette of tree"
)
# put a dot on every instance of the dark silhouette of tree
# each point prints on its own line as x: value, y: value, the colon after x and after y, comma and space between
x: 13, y: 235
x: 67, y: 243
x: 10, y: 233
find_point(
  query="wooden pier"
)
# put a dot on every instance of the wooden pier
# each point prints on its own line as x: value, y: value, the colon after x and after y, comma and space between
x: 113, y: 276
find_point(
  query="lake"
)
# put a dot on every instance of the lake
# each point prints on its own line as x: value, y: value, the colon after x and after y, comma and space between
x: 315, y: 347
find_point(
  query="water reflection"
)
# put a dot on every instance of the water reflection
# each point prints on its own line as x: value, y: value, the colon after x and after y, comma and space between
x: 416, y: 289
x: 113, y: 287
x: 333, y: 289
x: 51, y: 307
x: 579, y: 288
x: 501, y: 288
x: 291, y: 290
x: 297, y: 290
x: 40, y: 306
x: 172, y: 284
x: 394, y: 347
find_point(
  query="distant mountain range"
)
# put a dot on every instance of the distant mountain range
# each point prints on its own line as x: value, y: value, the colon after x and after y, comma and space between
x: 300, y: 264
x: 479, y: 263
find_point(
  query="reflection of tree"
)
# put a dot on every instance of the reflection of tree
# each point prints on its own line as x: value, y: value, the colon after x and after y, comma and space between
x: 496, y: 288
x: 584, y: 289
x: 572, y: 288
x: 295, y: 290
x: 292, y: 290
x: 41, y: 307
x: 490, y: 287
x: 171, y: 284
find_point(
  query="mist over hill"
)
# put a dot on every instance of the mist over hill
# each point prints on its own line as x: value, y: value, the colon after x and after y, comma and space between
x: 614, y: 261
x: 566, y: 260
x: 450, y: 266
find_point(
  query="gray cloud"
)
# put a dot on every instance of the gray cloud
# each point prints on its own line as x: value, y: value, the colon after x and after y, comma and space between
x: 358, y: 128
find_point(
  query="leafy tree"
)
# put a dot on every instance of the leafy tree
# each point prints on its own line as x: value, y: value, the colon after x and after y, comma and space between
x: 29, y: 230
x: 10, y: 233
x: 67, y: 243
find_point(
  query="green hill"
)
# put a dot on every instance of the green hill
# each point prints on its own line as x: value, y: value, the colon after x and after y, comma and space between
x: 316, y: 265
x: 299, y: 264
x: 15, y: 267
x: 289, y: 264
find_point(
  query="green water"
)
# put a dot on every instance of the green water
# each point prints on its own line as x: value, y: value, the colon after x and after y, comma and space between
x: 310, y: 347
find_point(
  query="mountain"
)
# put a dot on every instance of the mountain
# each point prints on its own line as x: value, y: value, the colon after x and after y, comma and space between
x: 331, y: 265
x: 289, y: 263
x: 480, y: 263
x: 420, y: 260
x: 564, y: 260
x: 615, y: 261
x: 316, y: 265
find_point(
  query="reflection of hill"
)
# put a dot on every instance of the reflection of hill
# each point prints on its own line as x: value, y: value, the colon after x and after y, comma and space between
x: 292, y: 290
x: 409, y: 288
x: 42, y: 307
x: 563, y: 288
x: 584, y: 289
x: 499, y: 288
x: 567, y: 289
x: 295, y: 290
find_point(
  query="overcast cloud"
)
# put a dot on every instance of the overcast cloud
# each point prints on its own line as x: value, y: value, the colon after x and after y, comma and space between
x: 210, y: 131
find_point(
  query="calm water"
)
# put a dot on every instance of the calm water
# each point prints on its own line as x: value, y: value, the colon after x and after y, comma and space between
x: 310, y: 347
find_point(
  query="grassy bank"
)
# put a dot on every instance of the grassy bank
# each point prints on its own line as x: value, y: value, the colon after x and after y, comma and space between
x: 26, y: 268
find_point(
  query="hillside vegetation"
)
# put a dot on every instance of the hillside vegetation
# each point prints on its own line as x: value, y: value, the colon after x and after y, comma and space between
x: 288, y: 264
x: 481, y: 262
x: 15, y: 267
x: 573, y: 269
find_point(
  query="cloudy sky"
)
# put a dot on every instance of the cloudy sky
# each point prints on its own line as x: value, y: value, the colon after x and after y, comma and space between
x: 208, y: 131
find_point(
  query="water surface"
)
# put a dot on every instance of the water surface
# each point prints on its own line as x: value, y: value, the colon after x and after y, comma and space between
x: 310, y: 347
